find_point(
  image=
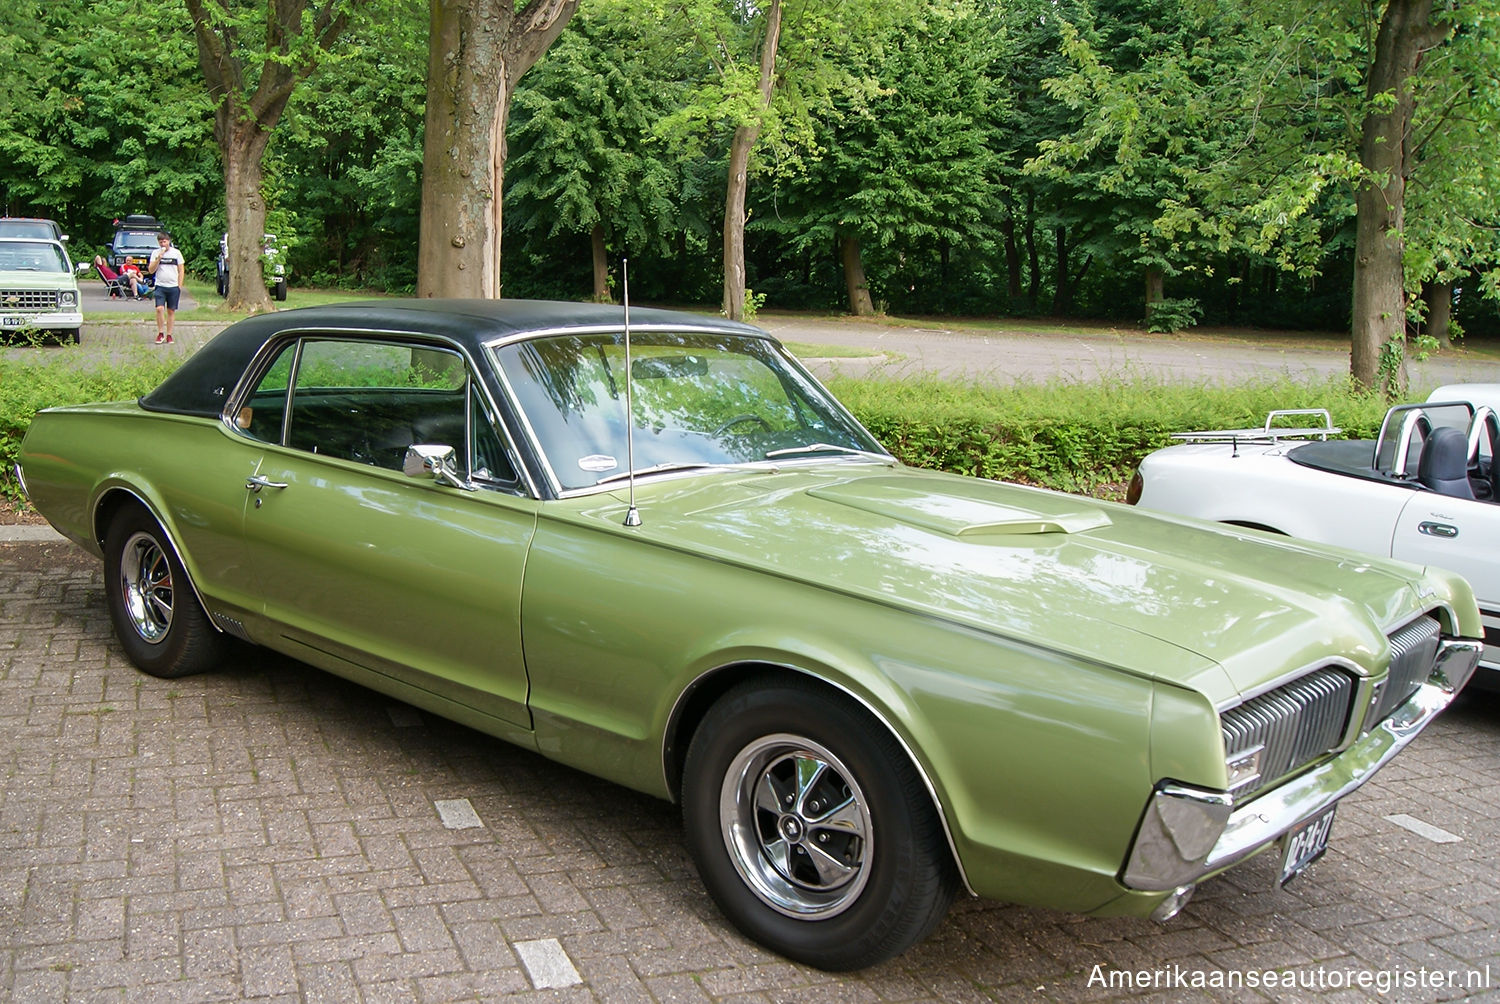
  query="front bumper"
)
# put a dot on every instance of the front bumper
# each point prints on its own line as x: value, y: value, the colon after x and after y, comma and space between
x: 1190, y: 833
x: 43, y: 321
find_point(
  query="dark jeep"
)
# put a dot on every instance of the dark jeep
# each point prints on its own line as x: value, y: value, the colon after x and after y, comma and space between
x: 135, y: 239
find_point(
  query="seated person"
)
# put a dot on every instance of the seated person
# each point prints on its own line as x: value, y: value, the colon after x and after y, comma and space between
x: 129, y: 278
x: 140, y: 287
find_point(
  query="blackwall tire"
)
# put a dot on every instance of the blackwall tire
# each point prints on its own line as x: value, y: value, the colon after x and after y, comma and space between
x: 151, y: 604
x: 811, y: 828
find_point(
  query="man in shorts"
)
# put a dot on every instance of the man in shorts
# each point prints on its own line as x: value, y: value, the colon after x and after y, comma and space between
x: 167, y: 265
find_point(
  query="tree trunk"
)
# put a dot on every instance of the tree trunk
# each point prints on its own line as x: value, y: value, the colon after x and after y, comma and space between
x: 601, y: 265
x: 1155, y: 285
x: 854, y: 278
x: 1033, y: 256
x: 1439, y: 297
x: 243, y: 149
x: 739, y: 173
x: 1379, y: 308
x: 244, y: 117
x: 1012, y: 257
x: 477, y: 50
x: 1060, y: 290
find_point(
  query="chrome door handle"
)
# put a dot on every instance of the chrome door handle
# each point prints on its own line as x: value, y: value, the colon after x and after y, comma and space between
x: 259, y: 481
x: 1445, y: 530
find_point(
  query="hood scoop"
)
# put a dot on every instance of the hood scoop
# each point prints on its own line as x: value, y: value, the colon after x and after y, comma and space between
x: 964, y: 509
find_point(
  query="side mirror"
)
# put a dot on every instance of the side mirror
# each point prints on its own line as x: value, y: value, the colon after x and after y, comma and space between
x: 437, y: 462
x: 82, y: 267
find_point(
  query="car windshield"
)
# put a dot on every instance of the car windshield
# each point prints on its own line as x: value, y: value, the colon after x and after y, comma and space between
x: 136, y: 240
x: 31, y: 256
x: 28, y: 228
x: 700, y: 399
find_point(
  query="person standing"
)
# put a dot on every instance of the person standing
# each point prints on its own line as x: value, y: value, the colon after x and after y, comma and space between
x: 167, y: 266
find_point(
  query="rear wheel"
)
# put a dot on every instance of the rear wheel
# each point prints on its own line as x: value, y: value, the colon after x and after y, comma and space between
x: 155, y: 615
x: 811, y: 828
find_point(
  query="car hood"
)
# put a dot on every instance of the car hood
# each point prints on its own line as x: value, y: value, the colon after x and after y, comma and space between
x: 32, y: 279
x: 1222, y: 611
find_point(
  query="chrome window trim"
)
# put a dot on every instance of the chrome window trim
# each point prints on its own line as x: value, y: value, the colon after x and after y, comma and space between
x: 272, y: 346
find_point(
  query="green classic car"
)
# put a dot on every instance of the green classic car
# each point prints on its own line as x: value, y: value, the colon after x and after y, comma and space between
x: 651, y: 546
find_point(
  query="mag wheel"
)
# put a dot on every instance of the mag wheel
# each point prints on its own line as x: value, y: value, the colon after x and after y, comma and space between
x: 811, y: 828
x: 151, y: 605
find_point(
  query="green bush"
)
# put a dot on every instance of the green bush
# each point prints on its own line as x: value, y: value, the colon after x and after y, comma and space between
x: 1167, y: 317
x: 60, y: 376
x: 1076, y: 437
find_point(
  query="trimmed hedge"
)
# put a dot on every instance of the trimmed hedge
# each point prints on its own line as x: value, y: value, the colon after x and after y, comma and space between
x: 1075, y: 437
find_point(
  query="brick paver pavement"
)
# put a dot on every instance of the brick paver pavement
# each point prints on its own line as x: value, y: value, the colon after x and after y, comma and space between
x: 271, y: 832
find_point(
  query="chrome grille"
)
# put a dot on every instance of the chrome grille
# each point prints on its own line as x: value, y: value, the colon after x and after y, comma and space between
x: 1294, y: 724
x: 1413, y: 651
x: 28, y: 299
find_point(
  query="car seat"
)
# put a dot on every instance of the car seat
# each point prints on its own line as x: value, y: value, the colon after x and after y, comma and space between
x: 1444, y: 465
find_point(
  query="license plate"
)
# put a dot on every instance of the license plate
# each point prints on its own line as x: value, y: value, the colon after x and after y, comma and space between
x: 1305, y: 844
x: 14, y: 320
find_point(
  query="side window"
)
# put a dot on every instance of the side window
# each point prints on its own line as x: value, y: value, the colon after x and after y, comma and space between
x: 263, y: 414
x: 368, y: 401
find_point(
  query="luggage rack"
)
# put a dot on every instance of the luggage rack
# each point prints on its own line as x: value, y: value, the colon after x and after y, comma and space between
x: 1270, y: 432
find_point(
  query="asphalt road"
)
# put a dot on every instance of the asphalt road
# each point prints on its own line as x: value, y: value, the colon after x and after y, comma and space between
x: 1084, y: 353
x: 1092, y: 354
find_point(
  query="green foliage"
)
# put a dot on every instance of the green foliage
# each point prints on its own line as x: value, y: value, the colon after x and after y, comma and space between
x: 1070, y: 436
x: 1172, y: 315
x: 582, y: 148
x: 63, y: 376
x: 101, y: 115
x: 753, y: 302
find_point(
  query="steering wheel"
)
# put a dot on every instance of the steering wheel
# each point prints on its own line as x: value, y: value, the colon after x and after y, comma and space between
x: 738, y: 419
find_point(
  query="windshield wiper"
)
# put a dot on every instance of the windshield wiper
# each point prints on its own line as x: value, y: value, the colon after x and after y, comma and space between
x: 830, y: 448
x: 654, y: 469
x: 728, y: 465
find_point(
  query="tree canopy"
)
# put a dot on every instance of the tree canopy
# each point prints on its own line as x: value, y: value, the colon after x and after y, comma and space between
x: 1231, y: 162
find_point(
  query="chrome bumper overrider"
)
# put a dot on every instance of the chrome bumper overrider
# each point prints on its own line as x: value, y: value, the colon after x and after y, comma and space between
x: 1188, y: 833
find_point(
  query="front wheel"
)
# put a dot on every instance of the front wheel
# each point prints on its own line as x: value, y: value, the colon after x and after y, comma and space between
x: 811, y: 828
x: 155, y: 615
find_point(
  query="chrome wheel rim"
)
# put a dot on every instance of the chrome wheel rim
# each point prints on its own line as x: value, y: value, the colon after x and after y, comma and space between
x: 796, y: 826
x: 146, y: 587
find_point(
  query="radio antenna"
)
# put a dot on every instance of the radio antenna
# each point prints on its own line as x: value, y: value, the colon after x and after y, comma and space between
x: 632, y: 514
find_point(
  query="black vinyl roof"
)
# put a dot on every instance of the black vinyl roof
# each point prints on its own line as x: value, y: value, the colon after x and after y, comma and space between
x: 203, y: 383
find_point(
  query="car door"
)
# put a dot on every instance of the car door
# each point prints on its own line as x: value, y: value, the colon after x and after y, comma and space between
x: 401, y: 576
x: 1461, y: 535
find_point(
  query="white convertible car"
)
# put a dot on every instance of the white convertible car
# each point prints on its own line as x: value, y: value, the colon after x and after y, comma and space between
x: 1424, y: 491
